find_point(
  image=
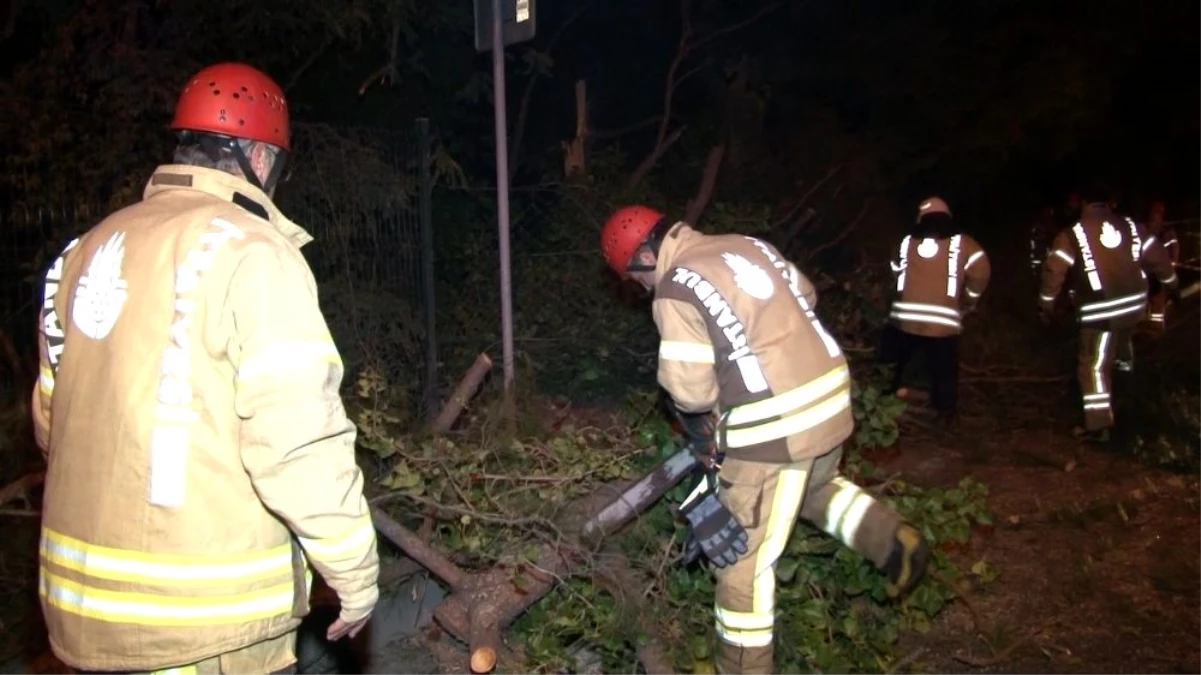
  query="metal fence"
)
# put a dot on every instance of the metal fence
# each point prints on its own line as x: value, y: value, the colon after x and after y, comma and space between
x: 364, y: 194
x: 577, y: 332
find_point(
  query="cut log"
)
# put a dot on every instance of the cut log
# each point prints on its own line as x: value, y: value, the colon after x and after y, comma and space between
x: 462, y: 394
x: 426, y: 554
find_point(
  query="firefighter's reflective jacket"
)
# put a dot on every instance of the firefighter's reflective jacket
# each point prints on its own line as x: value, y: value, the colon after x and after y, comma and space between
x: 938, y: 279
x: 1105, y: 255
x: 1166, y: 235
x: 739, y: 334
x: 188, y: 407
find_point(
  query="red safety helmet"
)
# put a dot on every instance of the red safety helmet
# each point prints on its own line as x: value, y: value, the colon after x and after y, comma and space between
x: 624, y: 232
x: 237, y: 100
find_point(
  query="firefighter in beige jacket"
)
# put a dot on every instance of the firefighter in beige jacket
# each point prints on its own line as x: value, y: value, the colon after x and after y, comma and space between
x: 740, y: 342
x: 199, y: 457
x: 941, y: 274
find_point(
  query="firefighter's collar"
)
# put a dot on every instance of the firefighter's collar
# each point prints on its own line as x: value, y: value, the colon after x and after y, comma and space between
x: 228, y: 187
x: 679, y: 234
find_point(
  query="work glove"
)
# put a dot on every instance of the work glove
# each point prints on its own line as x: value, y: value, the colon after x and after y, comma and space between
x: 713, y: 530
x: 700, y: 436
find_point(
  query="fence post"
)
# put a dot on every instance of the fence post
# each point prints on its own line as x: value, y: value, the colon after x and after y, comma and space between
x: 427, y: 268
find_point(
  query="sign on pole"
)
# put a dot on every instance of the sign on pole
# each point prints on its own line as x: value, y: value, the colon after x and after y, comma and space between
x: 517, y: 22
x: 499, y: 23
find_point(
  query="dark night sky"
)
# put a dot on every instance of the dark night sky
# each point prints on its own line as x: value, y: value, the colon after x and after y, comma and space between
x: 1144, y: 140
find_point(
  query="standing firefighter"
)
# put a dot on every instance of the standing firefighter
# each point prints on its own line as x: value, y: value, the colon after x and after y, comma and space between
x: 740, y: 341
x: 941, y: 274
x: 199, y: 458
x: 1157, y: 301
x: 1105, y: 256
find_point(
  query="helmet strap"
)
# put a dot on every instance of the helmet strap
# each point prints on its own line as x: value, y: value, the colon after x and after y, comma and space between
x: 214, y: 145
x: 277, y: 168
x: 652, y: 243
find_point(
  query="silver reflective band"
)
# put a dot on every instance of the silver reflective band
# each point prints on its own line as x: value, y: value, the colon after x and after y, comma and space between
x: 1108, y: 309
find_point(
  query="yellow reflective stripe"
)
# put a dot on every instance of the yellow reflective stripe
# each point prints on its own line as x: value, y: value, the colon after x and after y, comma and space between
x: 286, y: 356
x: 182, y: 670
x: 157, y: 610
x: 688, y: 352
x: 744, y: 629
x: 46, y: 381
x: 791, y: 425
x: 359, y: 537
x: 116, y: 564
x: 845, y: 512
x: 793, y: 399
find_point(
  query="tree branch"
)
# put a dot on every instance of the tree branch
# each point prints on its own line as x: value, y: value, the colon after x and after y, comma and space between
x: 685, y: 47
x: 523, y: 110
x: 388, y: 71
x: 704, y: 191
x: 846, y: 231
x: 315, y: 56
x: 800, y: 203
x: 651, y: 159
x: 764, y: 11
x: 622, y: 131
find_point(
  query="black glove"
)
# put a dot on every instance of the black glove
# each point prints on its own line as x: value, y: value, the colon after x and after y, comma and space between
x: 712, y: 528
x: 700, y: 428
x: 700, y: 434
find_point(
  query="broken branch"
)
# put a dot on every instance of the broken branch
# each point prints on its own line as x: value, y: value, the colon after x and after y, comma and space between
x: 462, y: 394
x: 388, y: 71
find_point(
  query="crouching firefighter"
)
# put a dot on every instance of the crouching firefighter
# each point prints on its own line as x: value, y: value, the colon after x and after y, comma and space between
x: 740, y: 342
x: 1105, y: 256
x: 941, y: 274
x: 199, y: 459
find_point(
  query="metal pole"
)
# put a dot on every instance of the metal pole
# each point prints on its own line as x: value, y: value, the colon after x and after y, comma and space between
x: 427, y: 269
x: 502, y: 202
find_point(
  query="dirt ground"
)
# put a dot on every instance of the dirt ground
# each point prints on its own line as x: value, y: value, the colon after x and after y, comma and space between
x: 1098, y: 565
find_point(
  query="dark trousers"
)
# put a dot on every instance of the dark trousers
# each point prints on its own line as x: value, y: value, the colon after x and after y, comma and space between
x: 942, y: 363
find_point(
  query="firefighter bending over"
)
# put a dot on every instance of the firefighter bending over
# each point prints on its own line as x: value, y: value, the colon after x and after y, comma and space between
x: 941, y: 274
x: 740, y: 340
x: 199, y: 457
x: 1102, y: 259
